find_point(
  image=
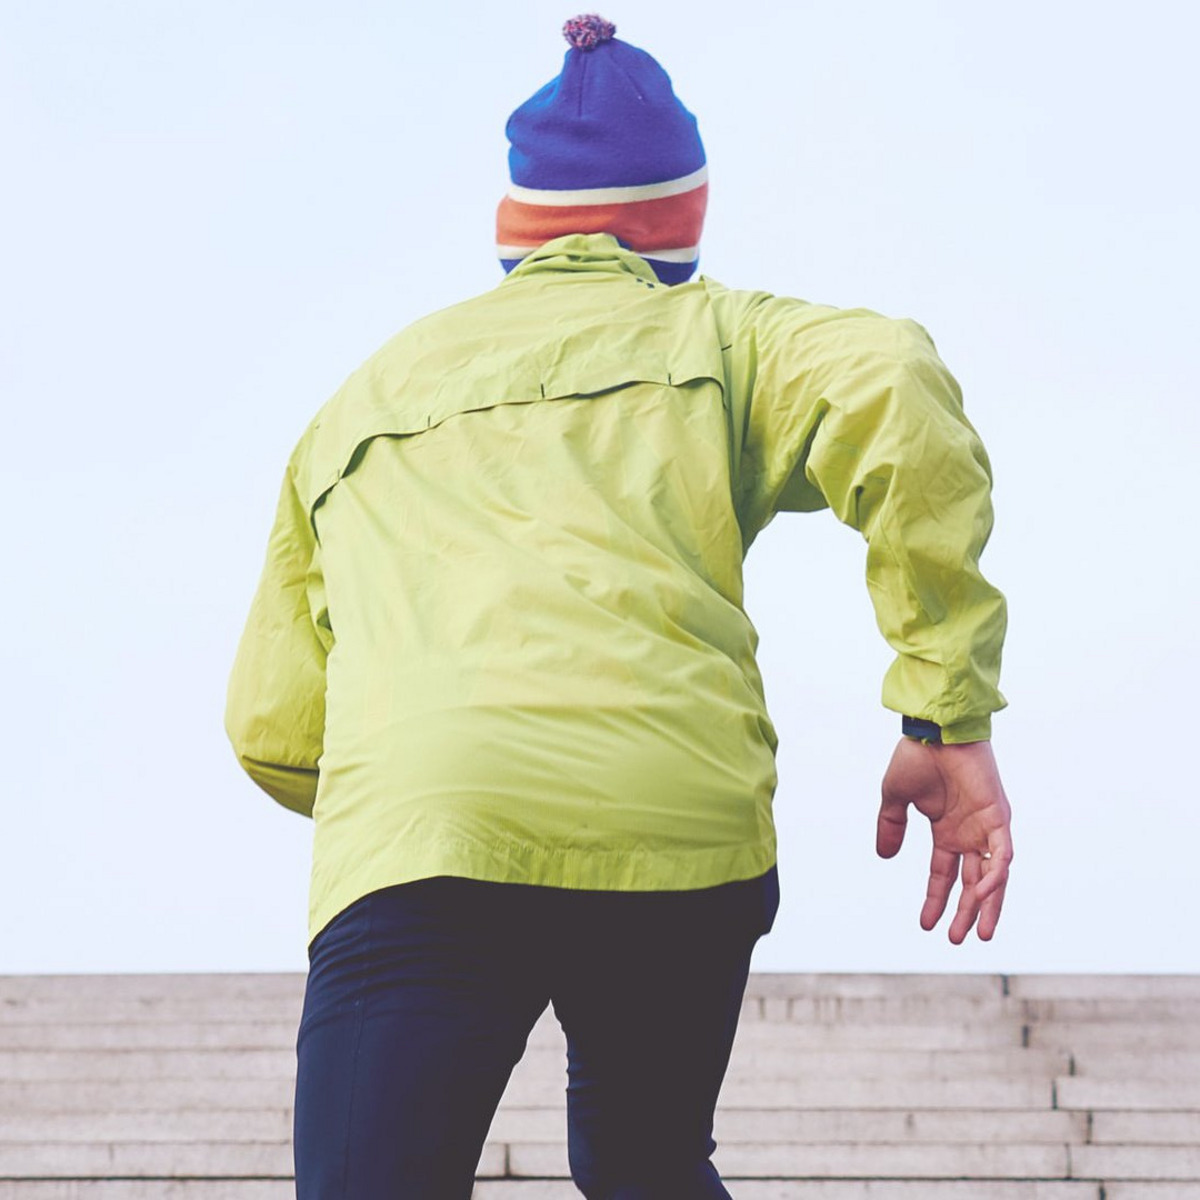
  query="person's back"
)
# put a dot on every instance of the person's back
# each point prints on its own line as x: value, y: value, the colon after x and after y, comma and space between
x: 540, y: 665
x: 499, y: 654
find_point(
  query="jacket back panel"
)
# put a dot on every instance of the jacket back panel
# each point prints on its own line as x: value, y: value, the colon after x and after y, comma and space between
x: 529, y: 563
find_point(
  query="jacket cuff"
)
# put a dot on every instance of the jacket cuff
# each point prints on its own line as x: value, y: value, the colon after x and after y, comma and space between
x: 974, y: 729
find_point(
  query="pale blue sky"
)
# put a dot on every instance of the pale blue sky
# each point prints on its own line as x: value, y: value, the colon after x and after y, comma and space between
x: 213, y: 212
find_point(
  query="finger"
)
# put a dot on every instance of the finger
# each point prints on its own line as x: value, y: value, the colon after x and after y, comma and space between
x: 989, y: 913
x: 943, y: 871
x: 968, y: 903
x: 996, y: 863
x: 889, y: 830
x: 995, y: 878
x: 990, y: 892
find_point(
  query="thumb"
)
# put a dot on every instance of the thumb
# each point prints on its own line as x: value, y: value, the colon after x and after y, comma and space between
x: 889, y: 830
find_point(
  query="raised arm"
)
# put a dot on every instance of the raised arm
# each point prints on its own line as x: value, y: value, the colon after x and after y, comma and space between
x: 854, y: 411
x: 850, y: 410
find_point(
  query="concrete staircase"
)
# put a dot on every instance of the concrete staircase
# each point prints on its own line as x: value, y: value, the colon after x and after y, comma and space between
x: 842, y: 1087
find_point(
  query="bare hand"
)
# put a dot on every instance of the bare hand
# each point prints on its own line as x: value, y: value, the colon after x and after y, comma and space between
x: 958, y: 788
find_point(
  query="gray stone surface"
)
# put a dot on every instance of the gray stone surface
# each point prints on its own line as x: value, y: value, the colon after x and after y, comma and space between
x: 1137, y: 1093
x: 834, y: 1126
x: 148, y: 1065
x: 156, y: 1160
x: 1124, y: 1063
x: 885, y: 1035
x: 842, y: 1189
x: 842, y: 1087
x: 1104, y: 987
x: 901, y: 1009
x: 146, y: 1035
x: 154, y: 1189
x: 989, y: 1092
x: 1136, y: 1162
x: 1145, y: 1128
x: 847, y: 1161
x: 83, y: 1010
x: 134, y: 1095
x: 841, y: 987
x: 191, y: 1125
x: 1146, y: 1035
x: 545, y: 1066
x: 561, y: 1190
x: 1143, y: 1190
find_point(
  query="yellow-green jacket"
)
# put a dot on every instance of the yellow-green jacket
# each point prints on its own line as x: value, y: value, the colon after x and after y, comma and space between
x: 500, y: 631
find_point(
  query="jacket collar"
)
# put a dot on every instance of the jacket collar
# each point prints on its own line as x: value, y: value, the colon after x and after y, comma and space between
x: 582, y: 252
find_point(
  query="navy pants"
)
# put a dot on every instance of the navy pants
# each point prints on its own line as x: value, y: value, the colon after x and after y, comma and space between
x: 420, y: 999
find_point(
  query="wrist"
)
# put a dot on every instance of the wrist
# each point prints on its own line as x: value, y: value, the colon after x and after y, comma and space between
x: 973, y: 729
x: 919, y: 730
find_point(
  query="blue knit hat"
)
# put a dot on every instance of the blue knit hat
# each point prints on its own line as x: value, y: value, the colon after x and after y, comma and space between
x: 606, y: 148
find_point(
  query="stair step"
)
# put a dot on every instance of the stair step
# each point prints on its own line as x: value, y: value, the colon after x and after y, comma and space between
x: 804, y: 1126
x: 280, y: 1035
x: 157, y: 1189
x: 545, y: 1066
x: 506, y: 1189
x: 1077, y: 1091
x: 849, y: 1189
x: 1136, y: 1162
x: 872, y: 1160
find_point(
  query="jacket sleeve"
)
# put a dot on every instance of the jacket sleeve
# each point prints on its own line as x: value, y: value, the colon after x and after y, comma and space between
x: 275, y: 711
x: 854, y: 411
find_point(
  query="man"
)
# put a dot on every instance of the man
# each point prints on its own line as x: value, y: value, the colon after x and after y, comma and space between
x: 499, y: 654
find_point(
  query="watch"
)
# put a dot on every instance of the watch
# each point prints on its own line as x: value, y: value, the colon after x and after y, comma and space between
x: 929, y: 732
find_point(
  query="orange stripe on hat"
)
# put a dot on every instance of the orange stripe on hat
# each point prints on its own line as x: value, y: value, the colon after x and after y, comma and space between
x: 643, y: 225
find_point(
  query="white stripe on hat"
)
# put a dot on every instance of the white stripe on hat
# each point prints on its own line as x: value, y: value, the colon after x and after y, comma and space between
x: 611, y: 195
x: 684, y: 255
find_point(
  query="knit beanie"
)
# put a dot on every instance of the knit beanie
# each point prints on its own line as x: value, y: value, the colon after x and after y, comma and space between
x: 606, y: 148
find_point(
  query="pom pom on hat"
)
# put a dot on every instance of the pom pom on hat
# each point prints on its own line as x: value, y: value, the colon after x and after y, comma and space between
x: 587, y: 31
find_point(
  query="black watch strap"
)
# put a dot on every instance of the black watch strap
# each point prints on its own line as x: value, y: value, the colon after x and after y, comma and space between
x: 922, y: 731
